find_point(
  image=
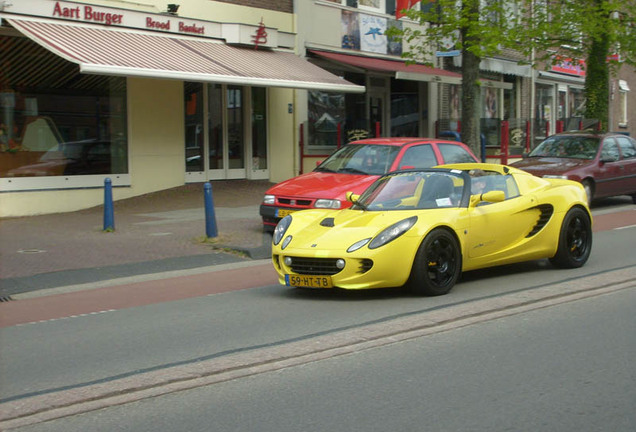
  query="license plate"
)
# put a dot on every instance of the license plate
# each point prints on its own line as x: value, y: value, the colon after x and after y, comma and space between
x: 305, y: 281
x: 281, y: 213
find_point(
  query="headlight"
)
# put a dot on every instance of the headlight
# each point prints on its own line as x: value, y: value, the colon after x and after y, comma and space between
x: 564, y: 177
x: 392, y: 232
x: 327, y: 203
x: 286, y: 242
x: 357, y: 245
x: 269, y: 199
x: 281, y: 228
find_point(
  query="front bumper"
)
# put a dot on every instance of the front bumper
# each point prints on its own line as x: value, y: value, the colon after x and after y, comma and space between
x: 366, y: 269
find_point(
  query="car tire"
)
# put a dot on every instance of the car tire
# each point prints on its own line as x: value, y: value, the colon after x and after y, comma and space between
x: 575, y: 240
x: 437, y: 264
x: 634, y: 198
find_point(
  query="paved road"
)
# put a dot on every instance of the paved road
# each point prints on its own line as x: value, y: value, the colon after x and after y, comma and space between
x: 124, y: 344
x: 564, y: 368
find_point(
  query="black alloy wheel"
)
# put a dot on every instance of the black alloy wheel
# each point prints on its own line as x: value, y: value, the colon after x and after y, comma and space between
x: 575, y: 240
x: 437, y: 264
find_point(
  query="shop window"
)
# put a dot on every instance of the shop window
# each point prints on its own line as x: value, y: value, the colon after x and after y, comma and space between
x: 235, y: 127
x: 259, y: 128
x: 215, y: 126
x: 55, y: 121
x: 373, y: 5
x: 194, y: 126
x: 623, y: 90
x: 404, y: 108
x: 332, y: 116
x: 326, y: 114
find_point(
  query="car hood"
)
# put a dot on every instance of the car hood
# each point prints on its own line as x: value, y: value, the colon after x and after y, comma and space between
x: 338, y: 229
x: 318, y: 184
x: 550, y: 165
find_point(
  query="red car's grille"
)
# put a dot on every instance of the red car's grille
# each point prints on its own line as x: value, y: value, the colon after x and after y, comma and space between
x: 295, y: 202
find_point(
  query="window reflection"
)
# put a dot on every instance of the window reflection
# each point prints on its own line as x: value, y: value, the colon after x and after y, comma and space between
x: 55, y: 121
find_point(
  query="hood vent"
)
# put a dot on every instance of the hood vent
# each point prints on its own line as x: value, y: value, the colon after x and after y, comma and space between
x: 327, y: 222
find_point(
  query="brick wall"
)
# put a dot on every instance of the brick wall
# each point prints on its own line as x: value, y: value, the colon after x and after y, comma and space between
x: 276, y: 5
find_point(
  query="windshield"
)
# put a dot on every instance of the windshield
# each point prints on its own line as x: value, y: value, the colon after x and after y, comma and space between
x: 360, y: 159
x: 414, y: 190
x: 574, y: 147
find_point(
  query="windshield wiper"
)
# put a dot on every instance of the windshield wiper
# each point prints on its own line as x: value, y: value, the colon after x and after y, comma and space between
x: 324, y: 169
x: 362, y: 206
x: 353, y: 171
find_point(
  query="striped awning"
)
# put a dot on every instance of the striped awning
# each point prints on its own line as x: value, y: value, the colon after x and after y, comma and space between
x: 127, y: 52
x: 399, y: 69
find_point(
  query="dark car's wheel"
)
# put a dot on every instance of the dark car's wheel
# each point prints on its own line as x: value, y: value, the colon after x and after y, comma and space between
x: 437, y: 264
x: 634, y: 198
x: 575, y: 240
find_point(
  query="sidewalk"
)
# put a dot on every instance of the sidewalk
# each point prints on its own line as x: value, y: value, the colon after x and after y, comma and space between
x: 156, y: 232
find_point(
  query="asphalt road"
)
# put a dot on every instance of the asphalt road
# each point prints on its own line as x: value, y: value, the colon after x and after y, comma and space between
x: 564, y: 368
x: 104, y: 347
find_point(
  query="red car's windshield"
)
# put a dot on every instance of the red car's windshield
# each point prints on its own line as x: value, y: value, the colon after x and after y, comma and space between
x: 573, y: 147
x: 361, y: 159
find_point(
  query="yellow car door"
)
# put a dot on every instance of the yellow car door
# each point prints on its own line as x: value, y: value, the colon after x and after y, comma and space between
x: 499, y: 226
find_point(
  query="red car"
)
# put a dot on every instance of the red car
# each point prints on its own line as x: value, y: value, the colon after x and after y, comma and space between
x: 353, y: 168
x: 604, y: 163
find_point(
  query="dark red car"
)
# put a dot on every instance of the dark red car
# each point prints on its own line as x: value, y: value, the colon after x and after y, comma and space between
x: 604, y: 163
x: 353, y: 168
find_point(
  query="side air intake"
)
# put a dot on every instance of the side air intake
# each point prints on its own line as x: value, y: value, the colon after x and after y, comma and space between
x: 546, y: 213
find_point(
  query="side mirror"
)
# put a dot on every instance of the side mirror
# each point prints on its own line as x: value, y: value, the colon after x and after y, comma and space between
x: 490, y: 197
x: 351, y: 197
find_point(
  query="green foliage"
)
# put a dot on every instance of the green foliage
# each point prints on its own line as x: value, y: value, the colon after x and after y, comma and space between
x: 480, y: 27
x: 543, y: 31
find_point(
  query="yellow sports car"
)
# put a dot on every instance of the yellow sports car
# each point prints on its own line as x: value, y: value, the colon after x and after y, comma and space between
x: 423, y: 227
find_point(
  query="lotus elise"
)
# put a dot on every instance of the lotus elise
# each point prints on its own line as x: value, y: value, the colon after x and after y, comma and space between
x: 421, y: 228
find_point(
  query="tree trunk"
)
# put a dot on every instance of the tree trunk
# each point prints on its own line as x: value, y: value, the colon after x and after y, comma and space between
x: 470, y: 77
x: 597, y: 81
x: 470, y: 101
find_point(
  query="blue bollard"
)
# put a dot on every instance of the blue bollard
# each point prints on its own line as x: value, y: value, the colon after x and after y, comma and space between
x: 210, y: 217
x: 109, y: 213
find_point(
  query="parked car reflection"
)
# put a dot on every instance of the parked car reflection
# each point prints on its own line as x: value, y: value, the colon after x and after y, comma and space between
x: 70, y: 158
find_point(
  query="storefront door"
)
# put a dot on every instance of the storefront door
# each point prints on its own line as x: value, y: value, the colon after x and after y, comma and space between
x: 235, y: 134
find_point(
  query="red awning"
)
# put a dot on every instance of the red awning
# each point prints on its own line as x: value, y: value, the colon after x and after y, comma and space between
x: 127, y: 52
x: 400, y: 69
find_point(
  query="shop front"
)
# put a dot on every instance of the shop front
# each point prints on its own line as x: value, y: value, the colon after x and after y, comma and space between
x: 560, y: 100
x: 150, y: 101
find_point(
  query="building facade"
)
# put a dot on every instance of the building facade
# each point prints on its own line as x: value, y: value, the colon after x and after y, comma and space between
x: 153, y: 95
x: 146, y: 95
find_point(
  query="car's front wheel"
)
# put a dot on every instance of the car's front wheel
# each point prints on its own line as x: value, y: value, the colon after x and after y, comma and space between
x: 575, y: 240
x: 437, y: 264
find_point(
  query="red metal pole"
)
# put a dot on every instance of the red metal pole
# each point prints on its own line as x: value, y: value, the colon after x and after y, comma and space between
x: 377, y: 129
x: 528, y: 136
x: 301, y: 142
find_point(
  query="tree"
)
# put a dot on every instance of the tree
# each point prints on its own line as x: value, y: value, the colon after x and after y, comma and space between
x: 478, y: 28
x: 602, y: 32
x: 543, y: 31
